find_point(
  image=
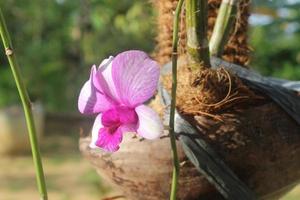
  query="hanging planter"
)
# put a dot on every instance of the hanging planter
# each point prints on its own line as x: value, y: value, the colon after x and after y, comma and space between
x: 239, y: 129
x: 259, y: 151
x: 255, y: 141
x: 142, y: 169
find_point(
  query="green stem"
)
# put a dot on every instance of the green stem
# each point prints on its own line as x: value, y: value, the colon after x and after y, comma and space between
x: 225, y: 21
x: 176, y: 167
x: 196, y: 26
x: 26, y: 106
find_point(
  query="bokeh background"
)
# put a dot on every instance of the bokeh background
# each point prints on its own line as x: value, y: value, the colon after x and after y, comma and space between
x: 57, y: 41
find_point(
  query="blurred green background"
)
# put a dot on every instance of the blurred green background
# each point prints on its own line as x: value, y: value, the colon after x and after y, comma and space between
x: 275, y: 38
x: 57, y: 41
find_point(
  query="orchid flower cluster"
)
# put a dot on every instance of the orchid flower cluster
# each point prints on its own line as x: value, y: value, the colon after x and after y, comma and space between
x: 116, y: 91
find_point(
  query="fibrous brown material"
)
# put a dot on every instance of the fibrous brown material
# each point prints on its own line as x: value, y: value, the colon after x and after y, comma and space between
x: 237, y: 49
x: 210, y: 92
x: 165, y: 11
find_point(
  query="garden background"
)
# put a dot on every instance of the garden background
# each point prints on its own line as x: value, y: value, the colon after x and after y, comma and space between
x: 57, y: 41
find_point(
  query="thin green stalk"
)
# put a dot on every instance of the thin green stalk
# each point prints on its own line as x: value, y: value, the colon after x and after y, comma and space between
x: 196, y: 27
x: 26, y: 106
x: 176, y: 166
x: 224, y: 23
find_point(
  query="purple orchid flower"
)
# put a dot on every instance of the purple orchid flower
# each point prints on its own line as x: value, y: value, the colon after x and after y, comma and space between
x: 117, y: 91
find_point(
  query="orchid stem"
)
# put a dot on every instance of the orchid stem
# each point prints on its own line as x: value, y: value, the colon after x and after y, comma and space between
x: 176, y: 166
x: 196, y: 28
x: 26, y: 106
x: 224, y: 23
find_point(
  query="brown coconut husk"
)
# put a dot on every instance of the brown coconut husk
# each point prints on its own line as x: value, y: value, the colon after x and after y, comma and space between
x: 165, y: 10
x: 254, y: 136
x: 210, y: 91
x: 237, y: 50
x: 207, y: 92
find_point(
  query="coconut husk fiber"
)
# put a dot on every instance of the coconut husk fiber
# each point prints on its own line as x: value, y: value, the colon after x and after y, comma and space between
x: 244, y: 126
x: 237, y: 50
x: 257, y: 139
x: 210, y: 92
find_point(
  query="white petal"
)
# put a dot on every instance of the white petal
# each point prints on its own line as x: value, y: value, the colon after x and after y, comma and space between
x: 150, y: 125
x: 95, y: 131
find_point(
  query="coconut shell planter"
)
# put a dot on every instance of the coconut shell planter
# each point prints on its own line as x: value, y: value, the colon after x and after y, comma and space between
x: 238, y: 132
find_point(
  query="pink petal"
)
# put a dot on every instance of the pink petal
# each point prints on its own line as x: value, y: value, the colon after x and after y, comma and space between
x: 90, y: 100
x: 103, y: 79
x: 107, y: 138
x: 127, y: 115
x: 110, y: 118
x: 135, y: 76
x: 149, y: 125
x: 119, y: 115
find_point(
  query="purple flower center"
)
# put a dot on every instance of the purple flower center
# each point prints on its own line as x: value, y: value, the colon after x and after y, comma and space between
x: 117, y: 116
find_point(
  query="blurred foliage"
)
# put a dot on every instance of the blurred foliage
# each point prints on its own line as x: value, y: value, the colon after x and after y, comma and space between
x: 276, y: 44
x: 57, y: 41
